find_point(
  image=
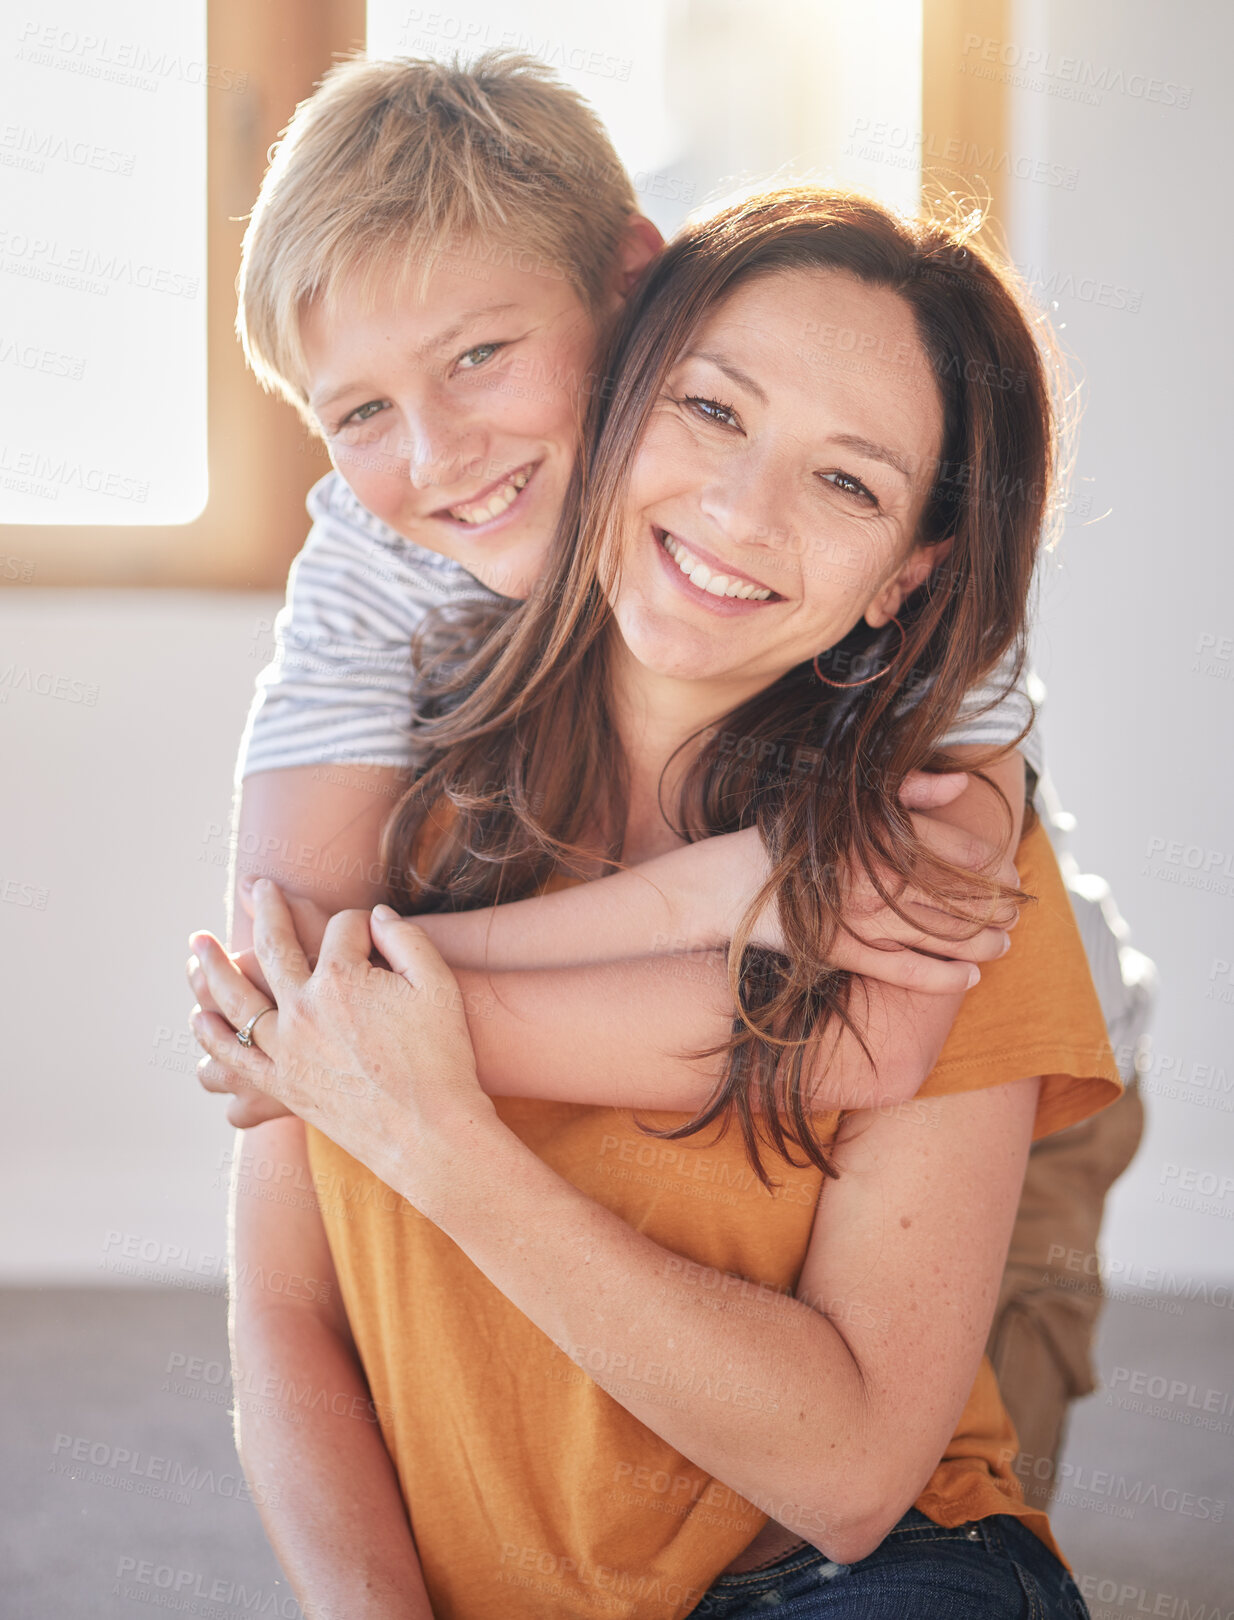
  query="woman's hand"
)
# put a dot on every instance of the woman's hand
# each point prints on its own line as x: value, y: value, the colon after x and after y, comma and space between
x: 919, y: 951
x: 247, y: 1105
x: 379, y: 1060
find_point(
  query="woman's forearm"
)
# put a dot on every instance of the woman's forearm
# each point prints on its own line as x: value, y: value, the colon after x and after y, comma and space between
x: 306, y: 1430
x: 320, y: 1473
x: 745, y: 1394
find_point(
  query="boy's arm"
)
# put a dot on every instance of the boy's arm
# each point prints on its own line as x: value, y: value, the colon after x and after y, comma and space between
x: 319, y: 1470
x: 316, y: 831
x: 625, y: 1031
x: 624, y: 1034
x: 693, y: 898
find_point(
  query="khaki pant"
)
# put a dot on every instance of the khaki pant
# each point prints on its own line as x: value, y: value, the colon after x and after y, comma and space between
x: 1042, y: 1337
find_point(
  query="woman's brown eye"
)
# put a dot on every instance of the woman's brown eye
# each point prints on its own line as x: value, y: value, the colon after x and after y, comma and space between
x: 849, y: 485
x: 714, y: 410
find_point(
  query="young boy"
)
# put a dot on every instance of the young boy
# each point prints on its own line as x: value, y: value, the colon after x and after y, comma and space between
x: 429, y: 271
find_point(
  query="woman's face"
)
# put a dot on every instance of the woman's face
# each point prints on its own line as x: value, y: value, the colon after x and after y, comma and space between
x: 778, y: 488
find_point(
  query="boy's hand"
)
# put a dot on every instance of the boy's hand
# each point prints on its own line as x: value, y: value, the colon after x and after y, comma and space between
x: 920, y: 953
x: 247, y: 1106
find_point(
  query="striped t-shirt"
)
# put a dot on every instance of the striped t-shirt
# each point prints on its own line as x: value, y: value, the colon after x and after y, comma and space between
x: 339, y: 691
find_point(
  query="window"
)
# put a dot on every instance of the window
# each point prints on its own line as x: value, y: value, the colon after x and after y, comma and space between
x: 134, y: 446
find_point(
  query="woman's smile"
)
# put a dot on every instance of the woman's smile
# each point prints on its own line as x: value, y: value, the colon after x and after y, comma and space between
x: 704, y: 578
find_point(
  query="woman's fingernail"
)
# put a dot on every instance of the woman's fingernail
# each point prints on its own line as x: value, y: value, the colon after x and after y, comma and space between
x: 385, y: 913
x: 974, y: 975
x: 1006, y: 945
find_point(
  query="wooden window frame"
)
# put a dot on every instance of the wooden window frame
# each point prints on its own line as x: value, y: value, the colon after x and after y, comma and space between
x: 961, y: 108
x: 262, y: 460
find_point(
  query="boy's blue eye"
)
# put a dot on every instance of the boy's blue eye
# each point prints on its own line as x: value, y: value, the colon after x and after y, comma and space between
x: 484, y: 351
x: 362, y: 413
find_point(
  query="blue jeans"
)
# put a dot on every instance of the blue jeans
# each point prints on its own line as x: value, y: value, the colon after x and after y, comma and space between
x: 994, y: 1569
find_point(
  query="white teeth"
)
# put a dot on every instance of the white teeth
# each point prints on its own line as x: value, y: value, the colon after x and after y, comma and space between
x: 699, y: 574
x: 497, y: 502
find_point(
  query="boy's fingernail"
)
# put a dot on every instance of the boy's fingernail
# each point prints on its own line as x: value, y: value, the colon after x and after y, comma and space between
x: 1006, y: 945
x: 974, y: 975
x: 385, y: 913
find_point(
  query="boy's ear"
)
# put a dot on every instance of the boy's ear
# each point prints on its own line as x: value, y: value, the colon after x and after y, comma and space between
x: 914, y: 571
x: 640, y: 242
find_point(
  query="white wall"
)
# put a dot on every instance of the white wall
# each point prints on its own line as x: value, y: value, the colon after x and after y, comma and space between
x: 111, y: 852
x: 1131, y: 108
x: 112, y: 811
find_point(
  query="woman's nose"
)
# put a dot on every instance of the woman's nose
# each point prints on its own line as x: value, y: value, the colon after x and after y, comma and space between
x: 748, y: 504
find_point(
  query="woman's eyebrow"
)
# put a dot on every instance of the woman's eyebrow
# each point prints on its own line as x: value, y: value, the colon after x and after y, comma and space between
x: 876, y: 452
x: 734, y: 373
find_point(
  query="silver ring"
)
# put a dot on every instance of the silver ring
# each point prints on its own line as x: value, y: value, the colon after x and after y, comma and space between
x: 245, y: 1035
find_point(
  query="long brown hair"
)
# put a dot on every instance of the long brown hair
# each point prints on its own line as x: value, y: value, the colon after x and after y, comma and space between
x: 528, y: 760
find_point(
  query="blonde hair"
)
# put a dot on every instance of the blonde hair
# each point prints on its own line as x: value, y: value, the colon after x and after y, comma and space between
x: 395, y: 163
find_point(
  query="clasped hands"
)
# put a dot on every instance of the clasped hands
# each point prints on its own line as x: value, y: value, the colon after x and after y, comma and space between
x: 344, y: 1032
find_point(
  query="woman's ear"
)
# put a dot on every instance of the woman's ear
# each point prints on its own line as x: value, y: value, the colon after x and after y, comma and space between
x: 913, y: 572
x: 640, y: 242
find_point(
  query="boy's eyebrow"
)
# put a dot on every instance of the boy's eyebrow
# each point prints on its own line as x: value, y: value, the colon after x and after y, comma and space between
x: 456, y: 331
x: 440, y: 341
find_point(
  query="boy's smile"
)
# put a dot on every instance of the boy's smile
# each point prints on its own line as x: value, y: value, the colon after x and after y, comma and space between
x: 451, y: 408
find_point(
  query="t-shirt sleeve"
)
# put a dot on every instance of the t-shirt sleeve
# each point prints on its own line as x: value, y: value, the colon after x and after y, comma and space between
x: 996, y: 711
x: 1035, y: 1011
x: 339, y: 687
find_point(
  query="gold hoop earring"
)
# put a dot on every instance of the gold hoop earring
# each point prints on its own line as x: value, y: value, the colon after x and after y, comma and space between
x: 845, y: 686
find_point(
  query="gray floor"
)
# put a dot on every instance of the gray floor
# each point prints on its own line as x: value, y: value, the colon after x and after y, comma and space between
x: 120, y: 1492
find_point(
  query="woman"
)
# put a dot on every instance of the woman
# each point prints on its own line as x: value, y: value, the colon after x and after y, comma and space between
x: 744, y: 1369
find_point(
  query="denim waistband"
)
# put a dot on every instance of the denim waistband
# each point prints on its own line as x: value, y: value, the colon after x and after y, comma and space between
x: 754, y: 1582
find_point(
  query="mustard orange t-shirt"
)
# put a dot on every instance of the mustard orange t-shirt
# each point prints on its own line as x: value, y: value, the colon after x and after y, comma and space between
x: 533, y: 1492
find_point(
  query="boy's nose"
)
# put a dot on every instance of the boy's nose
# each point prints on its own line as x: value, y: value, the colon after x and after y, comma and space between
x: 436, y: 461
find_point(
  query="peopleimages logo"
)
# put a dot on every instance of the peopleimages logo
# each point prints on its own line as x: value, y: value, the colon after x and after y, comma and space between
x: 1034, y: 68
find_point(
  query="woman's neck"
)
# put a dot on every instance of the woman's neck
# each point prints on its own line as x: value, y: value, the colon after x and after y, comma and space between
x: 655, y: 715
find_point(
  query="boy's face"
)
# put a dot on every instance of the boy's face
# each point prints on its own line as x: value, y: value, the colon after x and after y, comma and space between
x: 453, y: 413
